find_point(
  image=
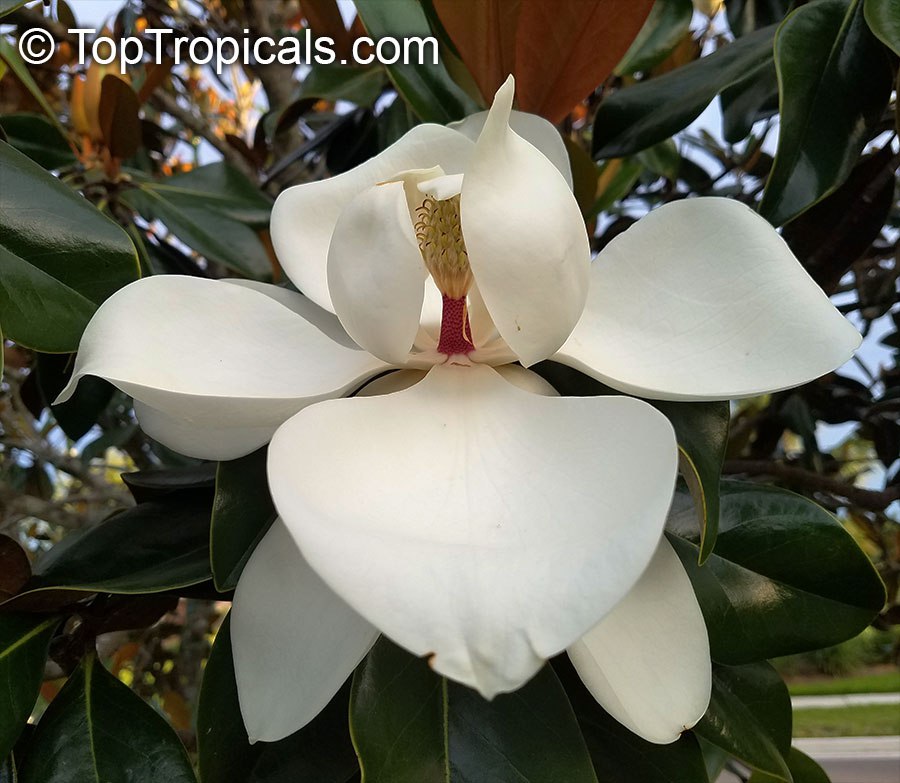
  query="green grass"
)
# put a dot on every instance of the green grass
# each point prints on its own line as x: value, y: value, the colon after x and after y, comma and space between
x: 883, y: 682
x: 873, y: 720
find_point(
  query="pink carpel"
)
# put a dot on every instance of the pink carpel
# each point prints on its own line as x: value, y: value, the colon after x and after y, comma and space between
x: 456, y: 334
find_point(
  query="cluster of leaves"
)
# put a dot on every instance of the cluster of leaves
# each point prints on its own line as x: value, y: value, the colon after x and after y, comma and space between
x: 102, y: 182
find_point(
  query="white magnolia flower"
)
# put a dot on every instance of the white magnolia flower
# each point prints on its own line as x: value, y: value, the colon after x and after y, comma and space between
x: 459, y: 505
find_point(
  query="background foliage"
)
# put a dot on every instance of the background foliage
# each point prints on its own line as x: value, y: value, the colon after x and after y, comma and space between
x: 106, y: 177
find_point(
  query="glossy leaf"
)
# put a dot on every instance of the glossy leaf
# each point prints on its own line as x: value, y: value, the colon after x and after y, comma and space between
x: 883, y: 18
x: 242, y: 513
x: 161, y: 484
x: 80, y: 413
x: 748, y: 101
x: 749, y: 717
x: 361, y: 86
x: 409, y: 724
x: 834, y: 233
x: 10, y: 5
x: 702, y: 432
x: 552, y: 77
x: 785, y: 577
x: 206, y: 223
x: 39, y: 139
x: 59, y: 257
x: 637, y: 117
x: 24, y: 640
x: 426, y: 87
x: 617, y: 177
x: 745, y: 16
x: 119, y: 114
x: 224, y: 751
x: 835, y: 82
x: 97, y: 728
x: 803, y: 770
x: 618, y: 755
x: 153, y: 547
x: 666, y: 25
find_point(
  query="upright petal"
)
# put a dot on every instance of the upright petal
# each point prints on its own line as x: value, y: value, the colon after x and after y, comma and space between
x: 531, y: 127
x: 703, y: 300
x: 304, y: 216
x: 375, y: 272
x: 295, y: 642
x: 475, y: 522
x: 647, y: 662
x: 527, y: 244
x: 222, y: 363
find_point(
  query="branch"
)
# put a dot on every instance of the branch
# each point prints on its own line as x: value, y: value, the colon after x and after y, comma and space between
x: 869, y: 499
x: 166, y: 103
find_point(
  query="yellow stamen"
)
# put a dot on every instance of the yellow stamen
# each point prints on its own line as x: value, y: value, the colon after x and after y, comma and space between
x: 440, y: 239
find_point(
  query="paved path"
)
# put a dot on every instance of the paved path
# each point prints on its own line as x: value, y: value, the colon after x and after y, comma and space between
x: 844, y: 700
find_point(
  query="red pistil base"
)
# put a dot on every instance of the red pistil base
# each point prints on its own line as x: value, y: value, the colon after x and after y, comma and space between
x: 456, y: 334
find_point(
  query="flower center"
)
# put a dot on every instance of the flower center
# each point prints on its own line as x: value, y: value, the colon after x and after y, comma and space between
x: 440, y: 238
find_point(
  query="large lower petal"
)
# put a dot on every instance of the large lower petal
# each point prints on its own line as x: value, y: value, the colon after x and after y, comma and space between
x: 526, y: 240
x: 702, y: 299
x: 375, y: 272
x: 295, y: 642
x: 304, y: 216
x: 475, y: 522
x: 647, y: 662
x: 217, y: 365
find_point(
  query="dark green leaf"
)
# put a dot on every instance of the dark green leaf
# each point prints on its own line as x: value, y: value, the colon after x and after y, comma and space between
x: 242, y: 513
x: 617, y: 177
x: 648, y: 112
x: 426, y: 87
x: 59, y: 257
x: 749, y: 717
x: 15, y: 569
x: 225, y: 753
x: 147, y: 549
x: 835, y: 82
x: 785, y: 577
x: 748, y: 101
x: 147, y: 485
x: 77, y: 415
x: 10, y: 5
x: 620, y: 756
x: 662, y: 159
x: 204, y: 226
x: 702, y: 432
x: 409, y: 724
x: 97, y: 729
x: 666, y: 25
x: 24, y: 640
x: 883, y: 18
x: 361, y: 86
x: 745, y: 16
x: 36, y: 137
x: 803, y: 770
x: 834, y: 233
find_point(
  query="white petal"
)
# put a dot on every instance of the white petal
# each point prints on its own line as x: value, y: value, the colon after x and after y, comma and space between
x: 324, y: 320
x: 527, y: 244
x: 534, y: 129
x: 391, y: 382
x: 647, y: 662
x: 376, y: 275
x: 442, y: 188
x: 702, y: 299
x: 294, y: 641
x: 213, y: 356
x: 474, y: 522
x: 304, y: 216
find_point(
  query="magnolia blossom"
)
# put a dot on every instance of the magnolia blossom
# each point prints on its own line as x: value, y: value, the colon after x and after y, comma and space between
x: 456, y: 503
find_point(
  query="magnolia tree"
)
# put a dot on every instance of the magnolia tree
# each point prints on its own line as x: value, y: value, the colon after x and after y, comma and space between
x: 423, y: 393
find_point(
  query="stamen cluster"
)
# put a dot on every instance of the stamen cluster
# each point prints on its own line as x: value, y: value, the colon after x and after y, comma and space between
x: 440, y: 238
